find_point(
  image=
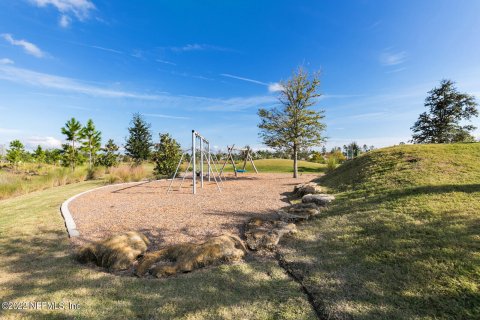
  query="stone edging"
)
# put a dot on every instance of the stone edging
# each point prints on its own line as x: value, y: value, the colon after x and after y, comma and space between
x: 67, y: 216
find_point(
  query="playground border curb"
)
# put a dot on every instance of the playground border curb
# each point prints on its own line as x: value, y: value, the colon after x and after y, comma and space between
x: 67, y: 216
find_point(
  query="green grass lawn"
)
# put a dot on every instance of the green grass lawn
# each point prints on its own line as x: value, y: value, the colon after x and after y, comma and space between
x: 402, y: 240
x: 36, y: 265
x: 278, y: 166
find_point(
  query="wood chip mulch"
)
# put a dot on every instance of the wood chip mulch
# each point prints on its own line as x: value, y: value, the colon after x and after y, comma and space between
x: 181, y: 216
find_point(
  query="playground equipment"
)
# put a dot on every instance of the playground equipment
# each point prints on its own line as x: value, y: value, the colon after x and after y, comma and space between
x: 201, y: 149
x: 247, y: 156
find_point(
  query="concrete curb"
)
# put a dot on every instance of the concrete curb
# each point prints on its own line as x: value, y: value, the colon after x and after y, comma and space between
x: 67, y: 216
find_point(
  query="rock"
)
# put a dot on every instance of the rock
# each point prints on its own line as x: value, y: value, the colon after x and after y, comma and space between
x: 115, y: 253
x: 307, y: 188
x: 299, y: 212
x: 190, y: 256
x: 265, y: 234
x: 318, y: 199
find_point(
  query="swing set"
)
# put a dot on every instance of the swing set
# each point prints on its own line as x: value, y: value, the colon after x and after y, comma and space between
x: 247, y: 156
x: 201, y: 157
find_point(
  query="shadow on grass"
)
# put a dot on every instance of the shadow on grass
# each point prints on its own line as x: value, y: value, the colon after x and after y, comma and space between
x: 385, y: 257
x: 41, y: 268
x: 312, y: 170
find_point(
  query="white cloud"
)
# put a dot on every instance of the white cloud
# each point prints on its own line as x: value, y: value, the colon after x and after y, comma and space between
x: 64, y: 21
x: 275, y: 87
x: 272, y: 87
x: 29, y: 47
x: 157, y: 115
x: 390, y: 58
x: 166, y: 62
x: 79, y: 8
x: 105, y: 49
x: 45, y: 142
x: 397, y: 70
x: 243, y: 79
x: 48, y: 81
x: 198, y: 47
x: 6, y: 61
x: 96, y: 47
x: 29, y: 77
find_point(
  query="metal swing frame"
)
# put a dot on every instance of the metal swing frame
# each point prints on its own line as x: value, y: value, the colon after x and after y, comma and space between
x: 248, y: 157
x: 205, y: 156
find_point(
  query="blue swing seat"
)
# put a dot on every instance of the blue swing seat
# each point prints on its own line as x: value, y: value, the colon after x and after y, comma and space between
x: 241, y: 170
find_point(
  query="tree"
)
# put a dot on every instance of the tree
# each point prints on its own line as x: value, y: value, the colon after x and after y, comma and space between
x: 109, y: 158
x: 53, y: 156
x: 324, y: 150
x: 447, y: 109
x: 92, y: 140
x: 354, y: 150
x: 72, y: 130
x: 70, y: 156
x: 166, y: 156
x: 15, y: 153
x: 39, y: 155
x: 295, y: 125
x: 139, y: 142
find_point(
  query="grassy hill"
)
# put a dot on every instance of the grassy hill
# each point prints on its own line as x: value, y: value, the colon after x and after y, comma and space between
x: 402, y: 240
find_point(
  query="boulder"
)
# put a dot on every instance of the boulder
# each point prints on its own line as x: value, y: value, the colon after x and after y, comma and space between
x: 299, y: 212
x: 190, y: 256
x: 318, y: 199
x: 307, y: 188
x: 265, y: 234
x: 115, y: 253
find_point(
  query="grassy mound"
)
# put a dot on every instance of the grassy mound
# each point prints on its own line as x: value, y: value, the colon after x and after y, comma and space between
x: 408, y: 166
x: 401, y: 241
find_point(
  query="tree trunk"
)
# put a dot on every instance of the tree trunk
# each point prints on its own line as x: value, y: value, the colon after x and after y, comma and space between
x: 74, y: 156
x: 295, y: 164
x: 90, y: 155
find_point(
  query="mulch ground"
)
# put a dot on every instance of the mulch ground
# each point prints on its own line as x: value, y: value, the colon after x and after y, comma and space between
x: 181, y: 216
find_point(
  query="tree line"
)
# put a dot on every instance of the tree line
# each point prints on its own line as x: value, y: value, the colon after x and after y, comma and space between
x: 83, y: 145
x: 292, y: 130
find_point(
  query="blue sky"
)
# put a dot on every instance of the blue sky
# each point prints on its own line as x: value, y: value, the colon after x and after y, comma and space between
x: 210, y: 65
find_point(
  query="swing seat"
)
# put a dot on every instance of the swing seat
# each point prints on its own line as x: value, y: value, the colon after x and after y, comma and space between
x: 241, y: 171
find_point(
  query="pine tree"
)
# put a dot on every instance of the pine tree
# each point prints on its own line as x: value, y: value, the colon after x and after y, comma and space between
x: 16, y: 153
x: 166, y: 156
x: 447, y: 108
x: 92, y: 140
x: 72, y: 130
x: 39, y: 155
x: 139, y: 142
x: 109, y: 157
x: 296, y: 125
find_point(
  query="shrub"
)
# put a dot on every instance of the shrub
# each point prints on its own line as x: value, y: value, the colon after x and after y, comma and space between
x: 95, y: 173
x: 331, y: 164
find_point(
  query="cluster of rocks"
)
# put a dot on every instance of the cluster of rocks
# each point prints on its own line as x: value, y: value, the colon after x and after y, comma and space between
x: 122, y: 252
x: 265, y: 234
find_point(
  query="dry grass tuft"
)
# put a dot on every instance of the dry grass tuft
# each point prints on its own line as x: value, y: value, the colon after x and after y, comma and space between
x: 127, y: 173
x: 186, y: 257
x: 115, y: 253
